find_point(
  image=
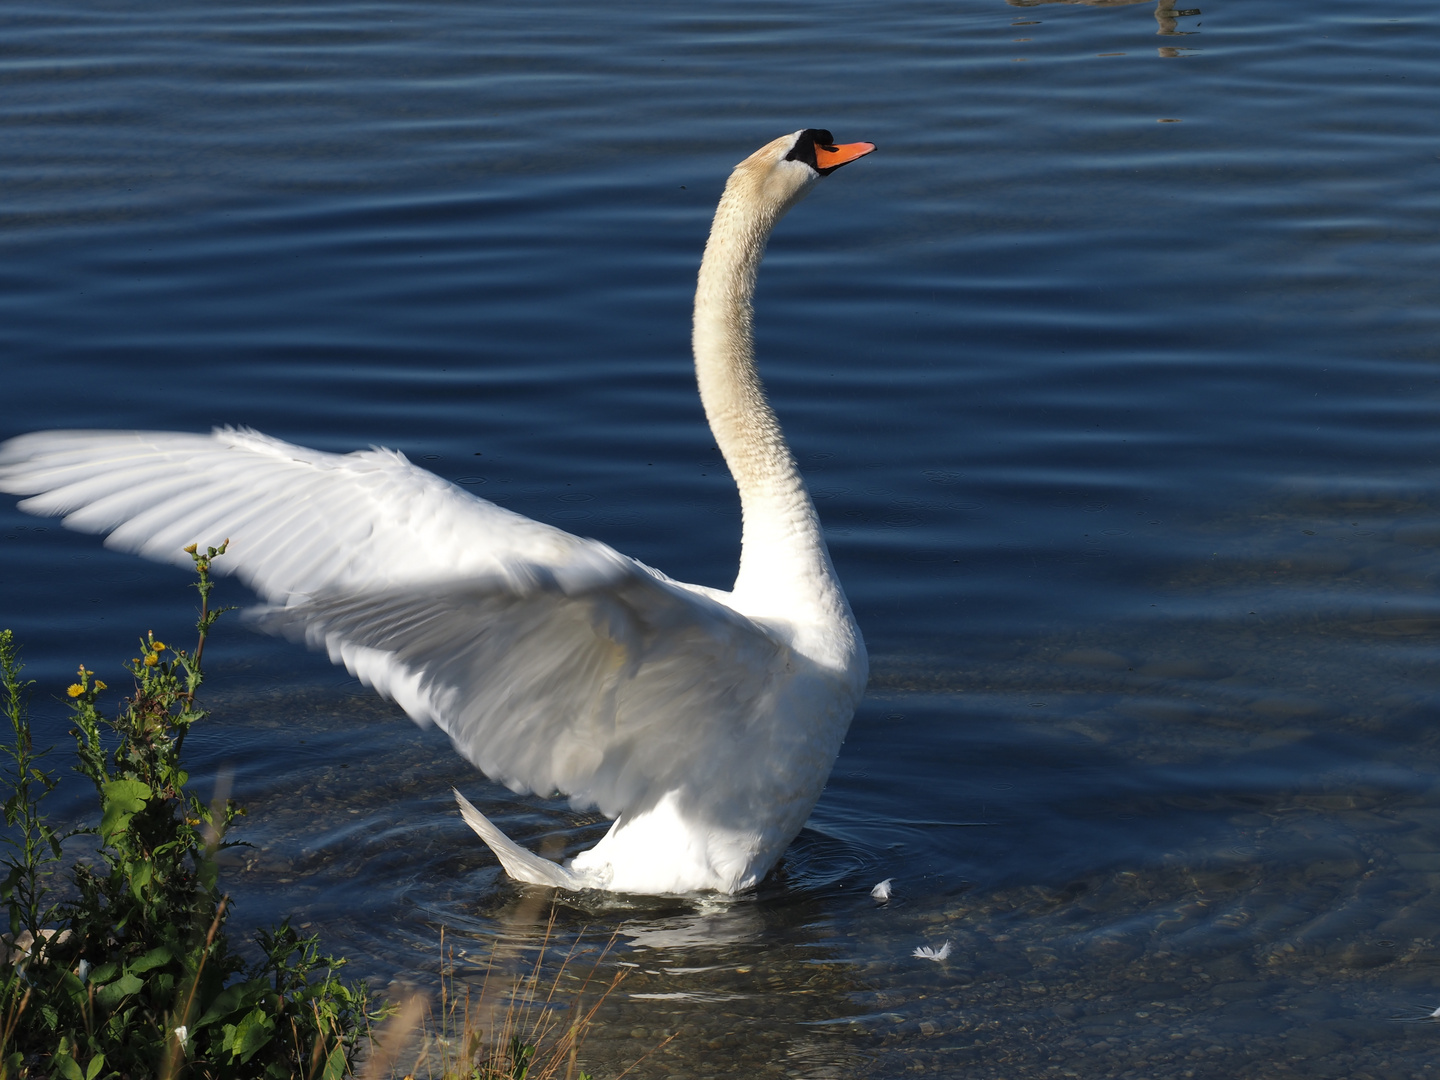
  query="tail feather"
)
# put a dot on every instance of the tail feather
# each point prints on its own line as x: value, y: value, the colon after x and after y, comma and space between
x: 520, y: 864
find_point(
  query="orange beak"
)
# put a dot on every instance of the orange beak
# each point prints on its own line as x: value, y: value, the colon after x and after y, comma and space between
x: 832, y: 157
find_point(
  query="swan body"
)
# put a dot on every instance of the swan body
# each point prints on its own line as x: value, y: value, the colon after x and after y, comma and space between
x: 704, y: 722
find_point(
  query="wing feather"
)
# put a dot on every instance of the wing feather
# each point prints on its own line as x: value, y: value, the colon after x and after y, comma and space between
x: 553, y: 662
x: 614, y: 693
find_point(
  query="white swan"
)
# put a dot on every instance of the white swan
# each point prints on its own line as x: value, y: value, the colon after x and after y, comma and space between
x: 704, y: 722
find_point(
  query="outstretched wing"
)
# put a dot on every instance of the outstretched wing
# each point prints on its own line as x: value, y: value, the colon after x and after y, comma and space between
x: 554, y: 662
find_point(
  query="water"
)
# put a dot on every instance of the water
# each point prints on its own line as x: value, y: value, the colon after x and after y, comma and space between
x: 1113, y: 373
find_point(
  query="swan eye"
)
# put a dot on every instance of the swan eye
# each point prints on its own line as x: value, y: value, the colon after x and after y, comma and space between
x: 805, y: 145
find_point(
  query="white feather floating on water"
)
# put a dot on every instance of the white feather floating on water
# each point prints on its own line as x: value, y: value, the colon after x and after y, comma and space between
x: 882, y: 891
x: 925, y: 952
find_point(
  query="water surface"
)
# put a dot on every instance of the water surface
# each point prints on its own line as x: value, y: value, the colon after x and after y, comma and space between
x: 1114, y: 376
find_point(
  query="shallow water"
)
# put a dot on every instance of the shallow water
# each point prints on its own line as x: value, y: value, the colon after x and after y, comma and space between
x: 1113, y: 374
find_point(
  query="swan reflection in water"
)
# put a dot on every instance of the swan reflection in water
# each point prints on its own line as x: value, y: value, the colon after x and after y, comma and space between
x: 1166, y: 14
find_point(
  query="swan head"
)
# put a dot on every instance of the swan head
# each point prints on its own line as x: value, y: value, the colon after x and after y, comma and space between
x: 780, y: 173
x: 816, y: 147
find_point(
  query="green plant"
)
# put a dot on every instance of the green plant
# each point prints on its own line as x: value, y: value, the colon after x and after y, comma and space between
x: 34, y: 845
x: 35, y: 848
x: 135, y: 976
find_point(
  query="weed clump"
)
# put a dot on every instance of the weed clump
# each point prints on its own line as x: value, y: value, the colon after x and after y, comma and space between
x: 134, y: 975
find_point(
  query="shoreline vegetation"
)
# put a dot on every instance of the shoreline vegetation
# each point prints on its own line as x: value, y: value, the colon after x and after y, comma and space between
x: 124, y: 967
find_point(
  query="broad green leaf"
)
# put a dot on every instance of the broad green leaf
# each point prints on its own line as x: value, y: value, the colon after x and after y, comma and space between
x: 71, y: 984
x: 152, y: 959
x: 140, y: 875
x: 67, y: 1067
x: 111, y: 996
x: 93, y: 1069
x: 334, y: 1065
x: 123, y: 799
x: 104, y: 973
x: 251, y: 1034
x: 232, y: 1000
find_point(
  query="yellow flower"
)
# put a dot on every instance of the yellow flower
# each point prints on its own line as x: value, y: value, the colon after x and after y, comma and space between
x: 151, y: 659
x: 99, y: 684
x: 191, y: 549
x: 157, y: 646
x: 75, y: 690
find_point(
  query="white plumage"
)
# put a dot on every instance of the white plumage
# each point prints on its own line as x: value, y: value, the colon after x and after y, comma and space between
x: 925, y: 952
x: 704, y: 722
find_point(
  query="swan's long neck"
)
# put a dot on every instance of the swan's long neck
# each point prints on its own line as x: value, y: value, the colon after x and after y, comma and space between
x: 784, y: 565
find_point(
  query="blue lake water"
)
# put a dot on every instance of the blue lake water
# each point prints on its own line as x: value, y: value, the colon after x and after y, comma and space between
x: 1114, y: 375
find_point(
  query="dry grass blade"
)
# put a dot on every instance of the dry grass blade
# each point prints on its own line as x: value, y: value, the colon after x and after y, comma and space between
x: 397, y: 1034
x: 519, y: 1028
x: 175, y: 1044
